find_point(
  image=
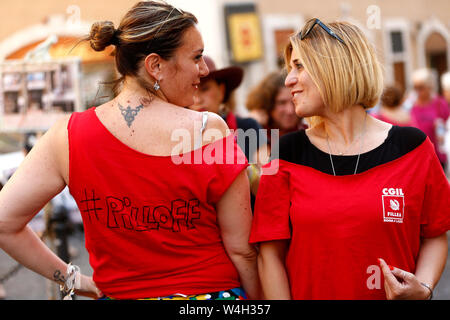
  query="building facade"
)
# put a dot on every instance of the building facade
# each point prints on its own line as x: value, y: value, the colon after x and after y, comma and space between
x: 407, y: 34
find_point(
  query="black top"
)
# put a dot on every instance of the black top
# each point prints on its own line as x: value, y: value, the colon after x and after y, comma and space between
x: 250, y: 129
x: 297, y: 148
x: 244, y: 139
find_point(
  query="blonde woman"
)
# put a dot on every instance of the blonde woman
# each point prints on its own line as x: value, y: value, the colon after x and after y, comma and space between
x: 154, y: 227
x: 361, y: 207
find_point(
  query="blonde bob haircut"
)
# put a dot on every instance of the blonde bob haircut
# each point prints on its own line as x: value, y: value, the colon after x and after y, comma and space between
x: 345, y: 74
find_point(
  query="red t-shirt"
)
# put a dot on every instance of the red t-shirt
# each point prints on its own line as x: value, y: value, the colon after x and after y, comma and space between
x: 151, y: 224
x: 338, y: 226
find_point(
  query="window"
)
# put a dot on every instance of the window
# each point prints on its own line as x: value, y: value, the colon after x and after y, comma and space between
x: 397, y: 52
x: 397, y: 42
x: 281, y: 40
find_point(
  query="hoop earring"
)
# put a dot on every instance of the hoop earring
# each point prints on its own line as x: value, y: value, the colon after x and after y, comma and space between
x: 156, y: 86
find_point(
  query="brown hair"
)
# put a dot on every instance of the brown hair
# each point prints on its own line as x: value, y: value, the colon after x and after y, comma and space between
x: 148, y: 27
x: 392, y: 97
x: 262, y: 97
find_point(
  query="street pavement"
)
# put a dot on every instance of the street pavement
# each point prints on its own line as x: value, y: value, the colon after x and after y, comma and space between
x: 27, y: 285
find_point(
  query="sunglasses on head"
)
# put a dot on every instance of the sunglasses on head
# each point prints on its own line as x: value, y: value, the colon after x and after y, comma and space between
x: 311, y: 24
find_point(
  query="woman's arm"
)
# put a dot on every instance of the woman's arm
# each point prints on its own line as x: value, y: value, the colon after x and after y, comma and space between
x: 432, y: 259
x: 272, y: 271
x: 400, y: 284
x: 235, y: 218
x: 38, y: 179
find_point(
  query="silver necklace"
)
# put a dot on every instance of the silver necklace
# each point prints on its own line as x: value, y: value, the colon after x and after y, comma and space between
x: 360, y: 148
x: 342, y: 153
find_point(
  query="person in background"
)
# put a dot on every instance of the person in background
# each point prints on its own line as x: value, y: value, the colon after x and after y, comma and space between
x: 155, y: 227
x: 445, y: 83
x: 215, y: 94
x: 391, y: 110
x: 271, y: 103
x: 352, y: 194
x: 430, y: 111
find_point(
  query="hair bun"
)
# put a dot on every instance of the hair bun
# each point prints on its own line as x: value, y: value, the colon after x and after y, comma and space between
x: 102, y: 35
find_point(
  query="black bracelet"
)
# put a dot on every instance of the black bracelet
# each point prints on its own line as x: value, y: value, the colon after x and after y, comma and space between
x: 429, y: 288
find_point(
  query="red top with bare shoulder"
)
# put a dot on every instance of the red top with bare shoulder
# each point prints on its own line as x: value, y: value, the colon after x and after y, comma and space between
x: 150, y: 221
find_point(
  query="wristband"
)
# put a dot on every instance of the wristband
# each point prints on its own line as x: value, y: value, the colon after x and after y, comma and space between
x: 73, y: 281
x: 429, y: 288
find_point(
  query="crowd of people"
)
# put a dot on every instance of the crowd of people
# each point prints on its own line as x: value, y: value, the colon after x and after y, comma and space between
x: 427, y: 109
x: 353, y: 190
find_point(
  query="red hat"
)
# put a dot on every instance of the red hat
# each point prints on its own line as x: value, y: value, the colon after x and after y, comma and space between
x: 231, y: 76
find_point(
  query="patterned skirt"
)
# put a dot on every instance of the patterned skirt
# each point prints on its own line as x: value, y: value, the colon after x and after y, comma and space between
x: 231, y: 294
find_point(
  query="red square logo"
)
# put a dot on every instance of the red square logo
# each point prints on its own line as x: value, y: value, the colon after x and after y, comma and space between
x: 393, y: 208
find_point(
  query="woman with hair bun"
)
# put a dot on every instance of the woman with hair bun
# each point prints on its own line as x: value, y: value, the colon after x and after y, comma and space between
x: 160, y: 222
x: 353, y: 193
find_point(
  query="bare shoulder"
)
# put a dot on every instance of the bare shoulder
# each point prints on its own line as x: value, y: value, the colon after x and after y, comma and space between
x: 56, y: 141
x: 62, y: 123
x: 58, y: 132
x: 216, y: 128
x: 217, y: 124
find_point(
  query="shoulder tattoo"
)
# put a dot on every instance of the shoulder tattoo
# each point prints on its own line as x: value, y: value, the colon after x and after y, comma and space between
x: 130, y: 114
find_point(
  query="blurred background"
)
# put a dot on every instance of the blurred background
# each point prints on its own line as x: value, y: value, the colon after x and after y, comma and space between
x: 408, y: 34
x: 45, y: 72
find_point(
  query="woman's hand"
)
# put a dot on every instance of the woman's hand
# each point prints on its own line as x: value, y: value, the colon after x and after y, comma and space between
x: 402, y: 285
x: 88, y: 288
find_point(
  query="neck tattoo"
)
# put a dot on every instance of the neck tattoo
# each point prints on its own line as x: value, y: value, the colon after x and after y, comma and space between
x: 130, y: 114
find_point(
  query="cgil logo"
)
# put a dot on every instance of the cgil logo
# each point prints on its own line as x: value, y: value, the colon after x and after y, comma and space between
x: 395, y: 205
x: 393, y: 200
x: 393, y: 192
